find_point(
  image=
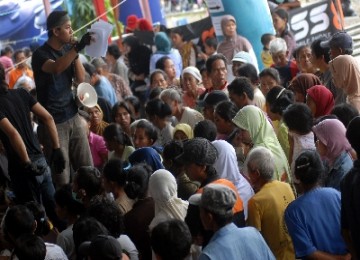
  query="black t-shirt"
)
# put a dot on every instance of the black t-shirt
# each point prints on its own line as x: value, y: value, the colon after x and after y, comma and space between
x: 350, y: 204
x: 15, y: 105
x: 54, y: 91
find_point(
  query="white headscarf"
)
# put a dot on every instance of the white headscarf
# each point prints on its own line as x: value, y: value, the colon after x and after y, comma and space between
x: 227, y: 168
x: 192, y: 71
x: 163, y: 189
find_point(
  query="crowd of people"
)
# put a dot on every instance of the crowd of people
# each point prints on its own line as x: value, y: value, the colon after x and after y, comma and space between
x: 186, y: 154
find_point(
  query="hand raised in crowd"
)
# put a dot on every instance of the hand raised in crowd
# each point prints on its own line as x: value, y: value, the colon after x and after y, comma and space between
x: 86, y: 39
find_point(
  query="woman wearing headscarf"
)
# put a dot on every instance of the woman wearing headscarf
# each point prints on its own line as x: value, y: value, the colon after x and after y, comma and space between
x: 97, y: 124
x: 163, y: 189
x: 192, y: 86
x: 163, y: 48
x: 280, y: 19
x: 147, y: 155
x: 301, y: 83
x: 227, y: 167
x: 183, y: 132
x: 233, y: 43
x: 346, y: 75
x: 256, y: 130
x: 320, y: 100
x: 334, y: 149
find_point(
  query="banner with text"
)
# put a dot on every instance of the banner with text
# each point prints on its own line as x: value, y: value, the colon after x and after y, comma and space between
x: 320, y: 19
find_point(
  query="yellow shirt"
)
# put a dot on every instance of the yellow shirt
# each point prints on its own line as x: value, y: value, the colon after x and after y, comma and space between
x: 266, y: 213
x: 266, y: 59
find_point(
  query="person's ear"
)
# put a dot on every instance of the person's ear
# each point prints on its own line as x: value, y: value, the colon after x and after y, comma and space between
x: 56, y: 31
x: 34, y: 226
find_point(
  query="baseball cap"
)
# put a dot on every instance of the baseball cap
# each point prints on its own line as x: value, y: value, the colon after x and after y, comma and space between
x: 197, y: 150
x: 215, y: 198
x: 242, y: 56
x: 102, y: 248
x: 339, y: 39
x: 213, y: 98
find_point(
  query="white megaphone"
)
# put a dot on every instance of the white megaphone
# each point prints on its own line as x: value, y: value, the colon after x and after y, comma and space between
x: 86, y: 95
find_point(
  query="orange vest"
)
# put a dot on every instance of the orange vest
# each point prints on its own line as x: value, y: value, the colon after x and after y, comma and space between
x: 238, y: 207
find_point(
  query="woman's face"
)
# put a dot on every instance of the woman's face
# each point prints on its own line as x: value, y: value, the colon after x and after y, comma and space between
x: 272, y: 115
x: 321, y: 147
x: 311, y: 104
x: 246, y: 141
x: 110, y: 144
x: 190, y: 83
x: 176, y: 39
x: 122, y: 117
x: 158, y: 80
x: 169, y: 68
x: 279, y: 23
x: 180, y: 136
x: 141, y: 139
x: 195, y: 172
x: 222, y: 126
x: 267, y: 83
x: 206, y: 80
x: 95, y: 116
x: 230, y: 29
x: 299, y: 97
x: 304, y: 59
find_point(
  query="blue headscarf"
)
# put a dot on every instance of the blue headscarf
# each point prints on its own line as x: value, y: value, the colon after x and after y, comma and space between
x: 162, y: 43
x: 147, y: 155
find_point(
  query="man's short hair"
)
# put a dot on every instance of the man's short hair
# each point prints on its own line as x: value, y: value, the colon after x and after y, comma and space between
x: 249, y: 71
x: 171, y: 240
x: 206, y: 129
x: 212, y: 59
x: 56, y: 19
x: 319, y: 51
x: 114, y: 51
x: 278, y: 45
x: 261, y: 158
x: 241, y: 85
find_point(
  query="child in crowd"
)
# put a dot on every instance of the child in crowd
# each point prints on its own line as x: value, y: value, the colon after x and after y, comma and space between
x: 299, y: 120
x: 269, y: 78
x: 265, y: 53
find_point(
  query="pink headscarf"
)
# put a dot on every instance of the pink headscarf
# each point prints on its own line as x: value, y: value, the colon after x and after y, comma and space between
x: 323, y: 98
x: 332, y: 133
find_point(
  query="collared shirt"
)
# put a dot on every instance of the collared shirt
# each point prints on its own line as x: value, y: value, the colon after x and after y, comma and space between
x: 341, y: 167
x: 231, y: 242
